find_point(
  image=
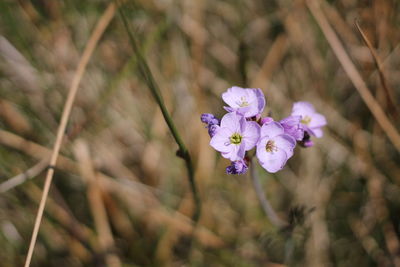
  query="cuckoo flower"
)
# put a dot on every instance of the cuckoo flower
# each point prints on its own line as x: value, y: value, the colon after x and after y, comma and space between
x: 311, y: 121
x: 274, y: 147
x: 248, y: 102
x: 235, y: 136
x: 293, y: 127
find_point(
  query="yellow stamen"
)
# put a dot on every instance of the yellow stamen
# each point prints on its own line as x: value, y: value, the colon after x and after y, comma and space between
x: 306, y: 120
x: 235, y: 139
x: 270, y: 146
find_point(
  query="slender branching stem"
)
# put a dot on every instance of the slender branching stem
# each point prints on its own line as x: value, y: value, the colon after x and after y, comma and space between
x: 183, y: 152
x: 266, y: 206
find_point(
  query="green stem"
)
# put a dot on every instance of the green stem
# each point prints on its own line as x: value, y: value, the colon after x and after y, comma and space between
x: 153, y: 86
x: 266, y: 206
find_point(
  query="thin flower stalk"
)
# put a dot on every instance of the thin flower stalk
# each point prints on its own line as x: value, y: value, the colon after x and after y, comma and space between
x: 183, y: 152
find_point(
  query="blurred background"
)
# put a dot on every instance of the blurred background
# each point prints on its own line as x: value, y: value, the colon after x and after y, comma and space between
x: 120, y: 195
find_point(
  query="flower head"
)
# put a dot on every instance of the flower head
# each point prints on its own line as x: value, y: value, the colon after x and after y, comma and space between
x: 237, y: 167
x: 311, y: 121
x: 235, y: 136
x: 293, y: 127
x: 274, y: 147
x: 248, y: 102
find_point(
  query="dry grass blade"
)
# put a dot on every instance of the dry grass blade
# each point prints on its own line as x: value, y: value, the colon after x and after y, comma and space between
x: 94, y: 38
x: 354, y: 75
x: 105, y: 238
x: 271, y: 61
x: 391, y: 100
x: 22, y: 177
x: 130, y: 191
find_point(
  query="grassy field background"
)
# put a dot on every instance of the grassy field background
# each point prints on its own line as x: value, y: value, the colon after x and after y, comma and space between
x: 120, y: 196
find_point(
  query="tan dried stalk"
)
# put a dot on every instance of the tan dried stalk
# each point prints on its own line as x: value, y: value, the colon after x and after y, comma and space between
x: 96, y: 204
x: 87, y: 53
x: 353, y: 74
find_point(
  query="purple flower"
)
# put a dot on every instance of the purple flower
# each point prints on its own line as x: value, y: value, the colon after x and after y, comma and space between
x: 248, y: 102
x: 311, y: 121
x: 275, y: 147
x: 292, y: 127
x: 237, y: 167
x: 235, y: 136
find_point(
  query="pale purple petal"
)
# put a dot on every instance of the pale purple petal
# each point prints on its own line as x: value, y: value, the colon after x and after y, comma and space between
x: 317, y: 132
x: 271, y: 161
x: 220, y: 141
x: 260, y: 99
x: 271, y: 130
x: 303, y: 109
x: 292, y: 127
x: 231, y: 121
x: 236, y: 152
x: 232, y: 95
x: 250, y: 133
x: 229, y: 109
x: 286, y: 143
x: 248, y: 102
x: 249, y: 111
x: 317, y: 120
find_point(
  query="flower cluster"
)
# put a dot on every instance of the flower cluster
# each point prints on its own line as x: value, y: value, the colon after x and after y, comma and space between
x: 243, y: 128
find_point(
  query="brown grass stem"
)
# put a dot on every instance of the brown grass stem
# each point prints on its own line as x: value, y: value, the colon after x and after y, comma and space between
x: 390, y: 99
x: 94, y: 195
x: 131, y: 191
x: 23, y: 177
x: 87, y: 53
x: 353, y: 74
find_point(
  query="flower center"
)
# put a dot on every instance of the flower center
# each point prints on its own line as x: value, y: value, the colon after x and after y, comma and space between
x: 270, y: 146
x: 306, y: 120
x: 243, y: 102
x: 235, y: 139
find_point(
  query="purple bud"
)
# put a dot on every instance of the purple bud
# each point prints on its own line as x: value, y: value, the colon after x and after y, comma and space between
x: 212, y: 129
x: 237, y: 167
x: 266, y: 120
x: 292, y: 127
x: 209, y: 119
x: 306, y: 141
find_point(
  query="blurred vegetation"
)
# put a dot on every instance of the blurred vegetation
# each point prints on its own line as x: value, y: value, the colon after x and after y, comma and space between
x: 342, y: 196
